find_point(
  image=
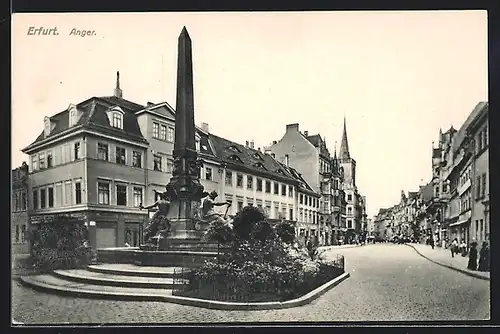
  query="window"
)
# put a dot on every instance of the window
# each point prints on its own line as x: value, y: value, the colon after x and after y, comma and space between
x: 34, y: 162
x: 229, y: 178
x: 239, y: 180
x: 67, y: 194
x: 436, y: 191
x: 349, y: 223
x: 283, y: 190
x: 50, y: 193
x: 268, y: 187
x: 120, y: 155
x: 349, y: 210
x: 240, y: 206
x: 291, y: 214
x: 276, y: 188
x: 41, y: 159
x: 349, y: 197
x: 156, y: 130
x: 259, y: 184
x: 35, y: 199
x: 170, y: 134
x: 17, y: 233
x: 197, y: 145
x: 478, y: 187
x: 485, y: 137
x: 301, y: 199
x: 78, y: 192
x: 117, y: 120
x: 59, y: 195
x: 170, y: 165
x: 103, y: 192
x: 23, y: 233
x: 23, y: 201
x: 310, y: 201
x: 102, y: 151
x: 335, y: 184
x: 43, y: 198
x: 137, y: 196
x: 49, y: 159
x: 249, y: 182
x: 67, y: 153
x: 157, y: 162
x: 483, y: 185
x: 77, y: 150
x: 290, y: 191
x: 163, y: 134
x: 208, y: 173
x: 136, y: 159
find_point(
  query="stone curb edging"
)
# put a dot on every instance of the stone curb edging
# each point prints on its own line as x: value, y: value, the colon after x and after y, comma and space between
x: 203, y: 303
x: 463, y: 271
x: 328, y: 248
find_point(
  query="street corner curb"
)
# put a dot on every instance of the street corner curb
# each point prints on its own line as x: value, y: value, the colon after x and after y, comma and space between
x: 463, y: 271
x: 231, y: 306
x: 187, y: 301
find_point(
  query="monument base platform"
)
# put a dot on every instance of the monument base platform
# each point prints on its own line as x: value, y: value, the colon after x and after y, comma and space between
x: 161, y: 258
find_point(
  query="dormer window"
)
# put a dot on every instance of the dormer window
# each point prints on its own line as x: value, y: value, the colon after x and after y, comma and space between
x: 117, y: 120
x: 234, y: 148
x: 257, y: 156
x: 115, y: 116
x: 259, y: 165
x: 235, y: 158
x: 279, y: 171
x: 46, y: 126
x: 73, y: 115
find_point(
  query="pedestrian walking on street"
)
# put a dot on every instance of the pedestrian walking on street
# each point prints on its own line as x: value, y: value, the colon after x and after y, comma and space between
x: 472, y: 265
x: 463, y: 248
x: 454, y: 247
x: 431, y: 241
x: 484, y: 258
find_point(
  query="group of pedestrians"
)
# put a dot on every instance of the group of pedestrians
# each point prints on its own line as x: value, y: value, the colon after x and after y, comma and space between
x: 481, y: 264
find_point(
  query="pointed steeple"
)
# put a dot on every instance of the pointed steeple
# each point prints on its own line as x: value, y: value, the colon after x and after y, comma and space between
x: 344, y: 146
x: 118, y: 91
x: 335, y: 151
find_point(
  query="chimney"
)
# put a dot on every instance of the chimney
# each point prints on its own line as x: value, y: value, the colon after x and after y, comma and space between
x: 252, y: 144
x: 258, y: 149
x: 204, y: 127
x: 46, y: 126
x: 287, y: 160
x: 306, y: 133
x: 247, y: 144
x: 292, y: 127
x: 118, y: 91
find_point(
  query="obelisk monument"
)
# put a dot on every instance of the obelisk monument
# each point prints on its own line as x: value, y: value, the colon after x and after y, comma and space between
x: 184, y: 188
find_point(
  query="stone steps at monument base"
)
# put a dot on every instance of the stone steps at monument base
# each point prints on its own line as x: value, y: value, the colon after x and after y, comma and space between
x: 52, y: 284
x: 89, y: 277
x: 126, y: 269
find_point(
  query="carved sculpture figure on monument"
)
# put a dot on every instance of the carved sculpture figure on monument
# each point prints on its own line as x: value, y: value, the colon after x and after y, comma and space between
x: 208, y: 215
x: 159, y: 224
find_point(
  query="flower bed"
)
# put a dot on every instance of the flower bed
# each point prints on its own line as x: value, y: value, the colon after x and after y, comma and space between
x: 261, y: 263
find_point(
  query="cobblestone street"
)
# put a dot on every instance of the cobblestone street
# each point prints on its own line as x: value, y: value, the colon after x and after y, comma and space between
x: 388, y: 283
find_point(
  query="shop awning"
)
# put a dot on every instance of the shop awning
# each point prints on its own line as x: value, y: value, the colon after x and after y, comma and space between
x: 461, y: 222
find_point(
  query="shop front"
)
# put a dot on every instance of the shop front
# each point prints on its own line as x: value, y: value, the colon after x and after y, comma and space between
x: 115, y: 229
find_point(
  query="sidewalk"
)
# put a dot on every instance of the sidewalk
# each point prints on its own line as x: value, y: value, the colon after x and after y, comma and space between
x: 443, y: 257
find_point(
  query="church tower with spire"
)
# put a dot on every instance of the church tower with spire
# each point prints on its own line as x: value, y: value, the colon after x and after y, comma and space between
x: 347, y: 163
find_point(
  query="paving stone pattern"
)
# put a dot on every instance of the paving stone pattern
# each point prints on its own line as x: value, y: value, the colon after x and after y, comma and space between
x: 388, y: 283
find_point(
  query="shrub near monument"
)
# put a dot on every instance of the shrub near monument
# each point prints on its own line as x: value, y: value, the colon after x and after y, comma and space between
x: 258, y: 262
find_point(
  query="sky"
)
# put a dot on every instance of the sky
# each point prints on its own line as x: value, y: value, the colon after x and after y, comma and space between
x: 397, y: 78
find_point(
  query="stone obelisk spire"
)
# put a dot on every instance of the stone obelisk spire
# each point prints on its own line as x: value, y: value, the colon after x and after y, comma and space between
x: 184, y: 187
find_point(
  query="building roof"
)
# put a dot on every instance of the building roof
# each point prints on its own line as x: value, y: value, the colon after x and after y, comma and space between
x: 460, y: 135
x: 427, y: 192
x: 303, y: 185
x: 412, y: 194
x: 249, y: 159
x: 93, y: 116
x: 317, y: 141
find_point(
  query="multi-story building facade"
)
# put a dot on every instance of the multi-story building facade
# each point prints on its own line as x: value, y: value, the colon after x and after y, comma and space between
x: 478, y: 131
x: 98, y: 160
x: 19, y: 220
x: 311, y: 158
